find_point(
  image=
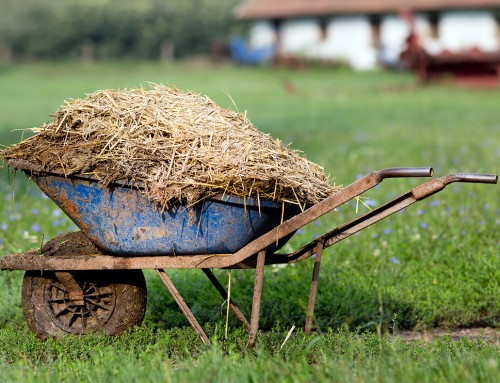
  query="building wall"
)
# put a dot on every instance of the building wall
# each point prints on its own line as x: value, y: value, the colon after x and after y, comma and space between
x: 297, y: 37
x: 342, y: 39
x: 358, y: 42
x: 349, y: 40
x: 262, y: 34
x: 467, y: 30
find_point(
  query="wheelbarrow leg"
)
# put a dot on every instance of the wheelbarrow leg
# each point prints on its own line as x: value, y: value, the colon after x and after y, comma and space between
x: 182, y: 305
x: 224, y: 295
x: 314, y: 288
x: 257, y: 297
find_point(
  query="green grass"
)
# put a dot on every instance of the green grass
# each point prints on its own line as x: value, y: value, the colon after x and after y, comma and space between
x: 436, y: 264
x: 147, y: 356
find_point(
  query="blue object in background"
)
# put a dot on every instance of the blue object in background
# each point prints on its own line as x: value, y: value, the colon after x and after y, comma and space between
x: 241, y: 53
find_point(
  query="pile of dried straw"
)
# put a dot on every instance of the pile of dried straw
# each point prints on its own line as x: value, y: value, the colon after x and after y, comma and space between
x: 175, y: 145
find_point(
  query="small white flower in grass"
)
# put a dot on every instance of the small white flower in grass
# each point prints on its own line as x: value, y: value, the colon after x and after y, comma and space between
x: 376, y: 253
x: 28, y: 237
x: 277, y: 267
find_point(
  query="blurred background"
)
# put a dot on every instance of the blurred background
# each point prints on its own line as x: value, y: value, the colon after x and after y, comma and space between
x: 457, y: 36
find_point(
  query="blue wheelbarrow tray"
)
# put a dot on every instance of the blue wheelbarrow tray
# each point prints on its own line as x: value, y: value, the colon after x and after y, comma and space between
x: 121, y: 220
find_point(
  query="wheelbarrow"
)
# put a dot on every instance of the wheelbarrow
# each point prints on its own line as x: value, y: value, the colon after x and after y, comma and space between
x: 91, y: 280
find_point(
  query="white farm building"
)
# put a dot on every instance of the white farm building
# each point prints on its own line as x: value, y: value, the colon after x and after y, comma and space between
x: 367, y: 33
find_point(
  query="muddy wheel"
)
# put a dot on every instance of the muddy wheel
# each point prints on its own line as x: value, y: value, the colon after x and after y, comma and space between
x: 82, y: 302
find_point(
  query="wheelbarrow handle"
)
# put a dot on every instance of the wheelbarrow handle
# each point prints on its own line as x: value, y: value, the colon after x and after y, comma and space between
x: 473, y: 178
x: 405, y: 172
x: 420, y: 192
x: 437, y: 184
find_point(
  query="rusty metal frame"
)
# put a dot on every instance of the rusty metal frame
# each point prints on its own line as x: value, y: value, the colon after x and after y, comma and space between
x: 254, y: 254
x: 342, y: 232
x: 257, y: 298
x: 318, y: 251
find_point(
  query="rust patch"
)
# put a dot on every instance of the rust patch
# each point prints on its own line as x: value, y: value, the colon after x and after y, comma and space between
x: 149, y: 233
x: 69, y: 208
x: 138, y: 231
x: 109, y: 237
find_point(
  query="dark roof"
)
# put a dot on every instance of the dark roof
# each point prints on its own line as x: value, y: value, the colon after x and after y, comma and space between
x: 280, y: 9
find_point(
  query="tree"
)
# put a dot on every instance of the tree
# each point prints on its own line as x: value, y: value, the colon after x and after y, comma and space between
x: 54, y: 29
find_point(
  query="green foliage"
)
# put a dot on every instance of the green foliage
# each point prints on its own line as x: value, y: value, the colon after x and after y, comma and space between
x: 53, y: 29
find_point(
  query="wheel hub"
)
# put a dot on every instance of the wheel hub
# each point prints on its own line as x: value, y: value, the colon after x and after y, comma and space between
x: 80, y: 316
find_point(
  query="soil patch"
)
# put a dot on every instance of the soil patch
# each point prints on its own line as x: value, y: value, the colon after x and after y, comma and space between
x: 487, y: 334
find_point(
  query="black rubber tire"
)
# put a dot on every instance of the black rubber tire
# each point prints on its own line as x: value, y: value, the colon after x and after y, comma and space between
x: 114, y: 301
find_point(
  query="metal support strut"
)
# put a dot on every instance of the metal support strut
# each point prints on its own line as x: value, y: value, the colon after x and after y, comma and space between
x: 224, y: 295
x: 257, y: 297
x: 314, y: 288
x: 182, y: 305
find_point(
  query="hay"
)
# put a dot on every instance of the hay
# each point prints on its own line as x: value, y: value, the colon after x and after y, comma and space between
x: 175, y: 145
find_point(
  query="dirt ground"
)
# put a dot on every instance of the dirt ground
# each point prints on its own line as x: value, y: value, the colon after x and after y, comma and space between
x: 487, y: 334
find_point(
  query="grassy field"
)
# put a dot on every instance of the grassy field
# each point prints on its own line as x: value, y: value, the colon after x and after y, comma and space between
x: 436, y: 264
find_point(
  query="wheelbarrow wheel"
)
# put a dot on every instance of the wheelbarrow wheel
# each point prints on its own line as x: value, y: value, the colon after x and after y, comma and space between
x: 82, y: 302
